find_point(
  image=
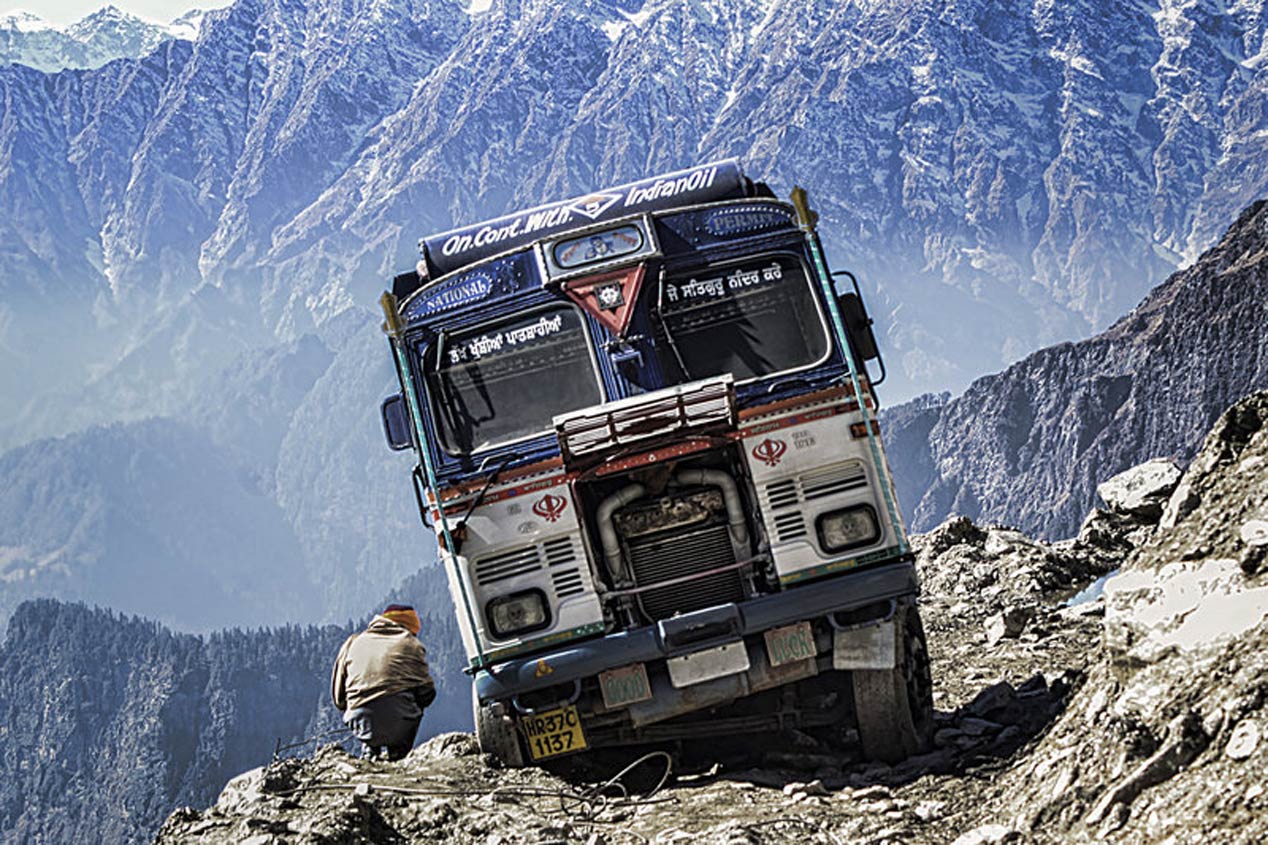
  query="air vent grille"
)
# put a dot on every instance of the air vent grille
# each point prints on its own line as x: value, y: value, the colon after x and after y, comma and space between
x: 833, y: 480
x: 505, y: 565
x: 559, y: 552
x: 568, y: 583
x: 782, y: 494
x: 786, y: 498
x: 560, y: 556
x: 790, y: 525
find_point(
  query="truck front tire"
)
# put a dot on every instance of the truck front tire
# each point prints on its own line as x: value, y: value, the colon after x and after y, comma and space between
x: 495, y: 735
x: 894, y: 707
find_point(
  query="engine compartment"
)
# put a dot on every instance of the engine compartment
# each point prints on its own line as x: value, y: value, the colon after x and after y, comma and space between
x: 676, y: 536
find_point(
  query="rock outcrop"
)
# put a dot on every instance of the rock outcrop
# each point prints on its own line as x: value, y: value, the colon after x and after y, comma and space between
x: 1136, y: 716
x: 1162, y: 743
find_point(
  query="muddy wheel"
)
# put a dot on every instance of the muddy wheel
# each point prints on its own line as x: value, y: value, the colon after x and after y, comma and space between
x: 496, y: 736
x: 894, y: 707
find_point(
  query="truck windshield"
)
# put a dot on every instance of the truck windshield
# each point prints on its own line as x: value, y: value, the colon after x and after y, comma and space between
x: 504, y: 381
x: 751, y: 318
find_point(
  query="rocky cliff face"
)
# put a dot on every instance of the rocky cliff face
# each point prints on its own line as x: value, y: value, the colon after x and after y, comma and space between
x: 1132, y: 716
x: 1029, y: 445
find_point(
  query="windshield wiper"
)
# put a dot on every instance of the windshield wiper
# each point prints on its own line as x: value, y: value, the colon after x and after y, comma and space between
x: 439, y: 346
x: 460, y: 528
x: 669, y: 337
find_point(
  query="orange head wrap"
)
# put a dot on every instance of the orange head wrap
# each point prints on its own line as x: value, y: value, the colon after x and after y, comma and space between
x: 404, y: 615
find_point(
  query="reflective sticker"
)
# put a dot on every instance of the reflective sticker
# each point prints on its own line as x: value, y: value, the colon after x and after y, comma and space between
x: 609, y: 297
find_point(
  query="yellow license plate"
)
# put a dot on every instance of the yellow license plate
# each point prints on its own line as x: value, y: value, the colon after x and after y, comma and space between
x: 553, y: 732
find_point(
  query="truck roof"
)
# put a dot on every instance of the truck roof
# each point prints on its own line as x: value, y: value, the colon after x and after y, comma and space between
x: 460, y: 247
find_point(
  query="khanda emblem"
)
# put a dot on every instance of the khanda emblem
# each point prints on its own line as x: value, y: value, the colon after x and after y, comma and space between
x: 550, y: 507
x: 770, y: 451
x: 610, y: 296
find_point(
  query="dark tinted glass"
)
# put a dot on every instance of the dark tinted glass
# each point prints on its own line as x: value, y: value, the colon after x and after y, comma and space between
x: 506, y: 381
x: 749, y: 319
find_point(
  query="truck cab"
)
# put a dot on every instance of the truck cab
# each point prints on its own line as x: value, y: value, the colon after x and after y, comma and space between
x: 648, y: 449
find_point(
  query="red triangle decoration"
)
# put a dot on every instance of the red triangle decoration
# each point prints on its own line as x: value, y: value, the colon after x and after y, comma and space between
x: 610, y: 297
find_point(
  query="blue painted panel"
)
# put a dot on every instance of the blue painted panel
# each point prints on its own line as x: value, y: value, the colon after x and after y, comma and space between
x: 475, y: 290
x: 457, y: 248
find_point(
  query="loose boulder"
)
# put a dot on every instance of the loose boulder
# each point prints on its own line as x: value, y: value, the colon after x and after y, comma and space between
x: 1141, y: 491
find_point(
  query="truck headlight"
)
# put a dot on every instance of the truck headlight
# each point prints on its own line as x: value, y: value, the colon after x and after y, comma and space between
x: 518, y: 613
x: 848, y: 528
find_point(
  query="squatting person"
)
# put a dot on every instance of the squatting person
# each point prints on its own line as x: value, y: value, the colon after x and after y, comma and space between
x: 381, y: 682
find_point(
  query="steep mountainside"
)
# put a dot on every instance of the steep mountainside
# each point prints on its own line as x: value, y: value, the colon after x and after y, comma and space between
x: 148, y: 518
x: 1028, y: 446
x: 109, y: 722
x: 346, y: 495
x: 1003, y: 174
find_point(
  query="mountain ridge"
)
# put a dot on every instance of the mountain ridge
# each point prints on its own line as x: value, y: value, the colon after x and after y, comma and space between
x: 1028, y: 446
x: 1000, y: 175
x: 94, y: 40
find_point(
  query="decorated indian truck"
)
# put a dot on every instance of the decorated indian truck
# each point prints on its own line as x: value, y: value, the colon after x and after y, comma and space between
x: 648, y: 448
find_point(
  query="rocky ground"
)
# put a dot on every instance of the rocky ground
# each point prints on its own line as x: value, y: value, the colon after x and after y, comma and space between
x: 1129, y: 716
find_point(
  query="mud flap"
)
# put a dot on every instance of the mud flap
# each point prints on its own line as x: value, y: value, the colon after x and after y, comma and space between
x: 868, y: 647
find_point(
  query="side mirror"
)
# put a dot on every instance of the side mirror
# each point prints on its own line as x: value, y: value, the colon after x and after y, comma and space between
x: 396, y: 423
x: 859, y: 326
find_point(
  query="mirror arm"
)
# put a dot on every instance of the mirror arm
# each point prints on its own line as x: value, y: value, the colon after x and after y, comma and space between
x: 880, y: 359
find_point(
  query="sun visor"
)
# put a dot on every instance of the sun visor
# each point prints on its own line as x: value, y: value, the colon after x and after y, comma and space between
x: 457, y: 248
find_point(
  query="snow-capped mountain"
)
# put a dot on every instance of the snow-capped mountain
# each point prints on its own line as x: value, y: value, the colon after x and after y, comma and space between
x: 1003, y: 174
x: 107, y: 34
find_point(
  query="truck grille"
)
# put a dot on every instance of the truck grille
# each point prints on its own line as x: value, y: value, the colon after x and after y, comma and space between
x: 679, y: 554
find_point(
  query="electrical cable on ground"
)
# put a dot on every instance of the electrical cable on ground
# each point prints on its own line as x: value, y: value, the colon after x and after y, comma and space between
x: 278, y: 747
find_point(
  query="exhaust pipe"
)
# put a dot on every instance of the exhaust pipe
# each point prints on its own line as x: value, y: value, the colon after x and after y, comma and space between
x: 607, y: 529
